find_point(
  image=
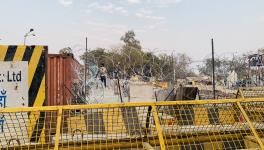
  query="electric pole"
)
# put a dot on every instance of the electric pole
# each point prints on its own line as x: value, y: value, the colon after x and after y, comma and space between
x: 213, y: 66
x: 85, y: 67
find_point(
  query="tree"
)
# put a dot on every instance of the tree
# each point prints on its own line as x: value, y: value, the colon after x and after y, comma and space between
x: 133, y: 60
x: 224, y: 65
x: 95, y: 56
x: 182, y: 63
x: 130, y: 40
x: 207, y: 67
x: 261, y: 51
x: 240, y: 65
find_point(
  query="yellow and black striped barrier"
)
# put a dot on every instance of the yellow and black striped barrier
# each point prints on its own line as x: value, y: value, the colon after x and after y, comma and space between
x: 36, y: 57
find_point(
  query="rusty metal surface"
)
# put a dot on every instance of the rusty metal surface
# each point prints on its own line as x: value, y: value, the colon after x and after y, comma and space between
x: 62, y: 73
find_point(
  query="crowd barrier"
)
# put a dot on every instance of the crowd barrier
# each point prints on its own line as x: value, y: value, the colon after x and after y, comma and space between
x: 179, y: 125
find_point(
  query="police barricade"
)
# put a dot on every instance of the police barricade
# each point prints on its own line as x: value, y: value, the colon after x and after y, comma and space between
x: 250, y: 92
x: 180, y: 125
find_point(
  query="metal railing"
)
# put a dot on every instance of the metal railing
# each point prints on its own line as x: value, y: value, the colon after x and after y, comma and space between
x: 250, y: 92
x: 204, y: 124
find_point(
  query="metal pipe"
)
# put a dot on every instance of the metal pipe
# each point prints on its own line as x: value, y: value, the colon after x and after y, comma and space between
x: 125, y: 144
x: 213, y: 65
x: 134, y: 104
x: 25, y: 39
x: 85, y: 68
x: 58, y: 127
x: 119, y: 89
x: 28, y: 34
x: 148, y: 117
x: 158, y: 127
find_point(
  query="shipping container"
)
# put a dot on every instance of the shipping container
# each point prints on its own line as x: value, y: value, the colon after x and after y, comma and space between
x: 63, y: 74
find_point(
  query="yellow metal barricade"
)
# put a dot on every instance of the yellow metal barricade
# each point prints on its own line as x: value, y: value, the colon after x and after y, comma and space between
x: 250, y: 92
x: 180, y: 125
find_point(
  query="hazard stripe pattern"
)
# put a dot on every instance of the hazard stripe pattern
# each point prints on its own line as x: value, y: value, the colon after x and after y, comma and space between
x: 36, y: 58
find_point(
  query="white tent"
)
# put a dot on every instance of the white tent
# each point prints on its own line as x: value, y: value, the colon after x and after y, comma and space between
x: 231, y: 79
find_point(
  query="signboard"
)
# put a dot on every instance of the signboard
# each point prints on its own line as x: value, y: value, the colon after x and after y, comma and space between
x: 14, y: 83
x: 13, y: 93
x: 22, y: 84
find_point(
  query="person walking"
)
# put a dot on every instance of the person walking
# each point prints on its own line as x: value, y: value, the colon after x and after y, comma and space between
x: 103, y: 74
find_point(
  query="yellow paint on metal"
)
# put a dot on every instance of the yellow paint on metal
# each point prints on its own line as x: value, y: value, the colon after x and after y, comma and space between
x: 34, y: 116
x: 225, y: 133
x: 41, y: 94
x: 201, y: 116
x: 251, y: 143
x: 200, y: 139
x: 163, y: 85
x: 58, y: 129
x: 3, y: 50
x: 250, y: 125
x: 158, y: 127
x: 213, y: 145
x: 131, y: 104
x: 240, y: 93
x: 19, y: 53
x: 253, y: 88
x: 76, y: 123
x: 42, y: 136
x: 33, y: 63
x: 226, y: 116
x: 250, y: 92
x: 113, y: 121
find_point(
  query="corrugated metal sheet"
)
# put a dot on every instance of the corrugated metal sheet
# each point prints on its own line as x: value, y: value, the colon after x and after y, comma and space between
x: 61, y: 74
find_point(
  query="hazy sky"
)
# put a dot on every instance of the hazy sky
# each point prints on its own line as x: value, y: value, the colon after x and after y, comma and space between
x: 185, y: 26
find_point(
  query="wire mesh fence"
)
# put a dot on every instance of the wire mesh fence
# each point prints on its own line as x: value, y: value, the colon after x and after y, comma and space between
x: 181, y: 125
x: 255, y: 113
x: 251, y: 92
x: 204, y: 126
x: 27, y: 129
x: 101, y: 128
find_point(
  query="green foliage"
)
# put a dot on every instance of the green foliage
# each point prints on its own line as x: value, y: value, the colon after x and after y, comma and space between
x: 133, y: 60
x: 130, y: 41
x: 224, y: 65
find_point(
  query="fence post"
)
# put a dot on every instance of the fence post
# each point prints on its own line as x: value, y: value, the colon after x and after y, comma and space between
x: 158, y: 127
x: 240, y: 91
x: 57, y: 137
x: 250, y: 125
